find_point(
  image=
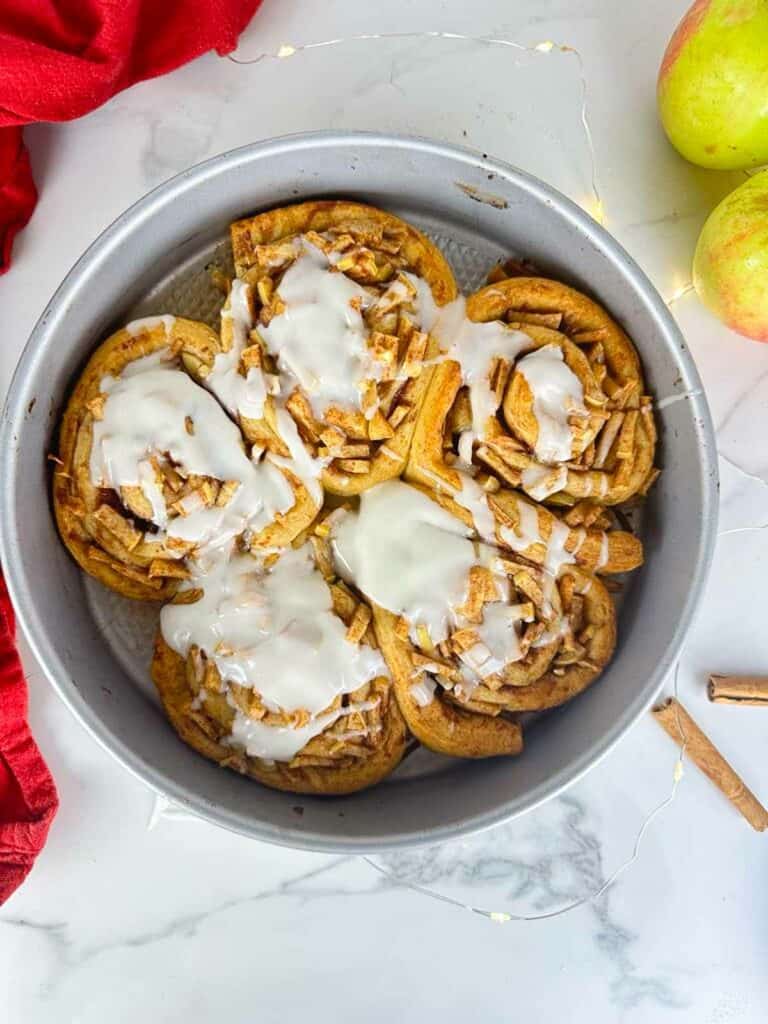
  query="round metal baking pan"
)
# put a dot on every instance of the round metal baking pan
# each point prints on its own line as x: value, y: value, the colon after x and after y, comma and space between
x: 152, y: 259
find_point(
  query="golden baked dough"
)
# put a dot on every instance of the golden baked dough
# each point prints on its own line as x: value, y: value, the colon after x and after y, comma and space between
x: 374, y: 249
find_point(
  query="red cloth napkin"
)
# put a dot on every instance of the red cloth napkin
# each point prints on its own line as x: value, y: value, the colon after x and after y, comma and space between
x: 59, y: 59
x: 28, y: 799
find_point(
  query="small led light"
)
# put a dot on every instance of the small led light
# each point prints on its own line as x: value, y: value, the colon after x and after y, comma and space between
x: 679, y: 290
x: 594, y: 207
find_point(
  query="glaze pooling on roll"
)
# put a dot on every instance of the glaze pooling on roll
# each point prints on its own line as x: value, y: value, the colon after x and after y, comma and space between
x: 385, y: 559
x: 240, y: 394
x: 499, y: 632
x: 473, y: 498
x: 320, y: 339
x: 474, y: 346
x: 272, y: 629
x: 436, y: 595
x: 336, y: 289
x: 558, y: 395
x: 272, y: 743
x: 245, y: 394
x: 307, y: 467
x: 179, y: 420
x: 541, y: 481
x: 147, y: 323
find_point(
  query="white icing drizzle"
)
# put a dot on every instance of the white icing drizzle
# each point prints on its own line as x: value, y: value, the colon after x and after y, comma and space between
x: 246, y: 395
x: 427, y: 310
x: 500, y: 634
x: 161, y: 358
x: 243, y: 395
x: 582, y: 535
x: 555, y: 553
x: 281, y: 742
x: 273, y: 630
x: 556, y: 632
x: 604, y: 552
x: 320, y: 339
x: 146, y: 413
x: 306, y: 466
x: 541, y: 481
x: 382, y: 548
x: 557, y: 395
x: 423, y: 691
x: 473, y: 498
x: 465, y: 446
x: 470, y: 496
x: 386, y: 561
x: 148, y: 323
x: 396, y: 291
x: 498, y: 645
x: 153, y: 493
x: 473, y: 346
x: 528, y: 534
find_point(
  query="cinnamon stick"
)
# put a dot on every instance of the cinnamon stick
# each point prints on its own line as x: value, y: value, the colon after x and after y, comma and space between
x: 739, y: 690
x: 678, y: 724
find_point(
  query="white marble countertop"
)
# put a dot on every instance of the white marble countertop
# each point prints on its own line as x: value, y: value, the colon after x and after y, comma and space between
x: 134, y: 913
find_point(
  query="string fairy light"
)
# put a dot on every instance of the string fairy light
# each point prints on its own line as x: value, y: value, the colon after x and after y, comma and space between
x: 680, y: 293
x: 505, y: 917
x: 593, y: 205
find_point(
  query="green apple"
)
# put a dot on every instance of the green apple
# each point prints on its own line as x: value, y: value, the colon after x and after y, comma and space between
x: 713, y: 84
x: 730, y: 266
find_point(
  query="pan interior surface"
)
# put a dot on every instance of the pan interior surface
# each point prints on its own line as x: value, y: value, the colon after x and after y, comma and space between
x: 95, y: 646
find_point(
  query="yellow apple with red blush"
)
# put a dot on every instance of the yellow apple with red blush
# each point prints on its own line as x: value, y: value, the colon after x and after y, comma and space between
x: 713, y: 84
x: 730, y: 266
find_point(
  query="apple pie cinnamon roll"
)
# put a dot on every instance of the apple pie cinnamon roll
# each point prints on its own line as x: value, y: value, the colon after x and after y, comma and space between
x: 272, y: 668
x: 338, y: 295
x: 468, y: 632
x: 543, y: 392
x: 151, y: 468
